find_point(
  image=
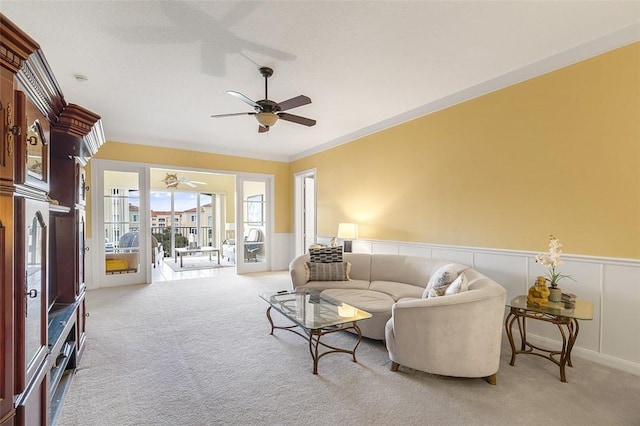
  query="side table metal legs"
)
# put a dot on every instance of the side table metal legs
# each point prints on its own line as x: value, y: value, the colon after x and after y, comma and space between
x: 568, y: 327
x: 314, y: 337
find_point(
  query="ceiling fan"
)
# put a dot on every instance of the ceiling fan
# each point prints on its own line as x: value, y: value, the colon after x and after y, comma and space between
x: 172, y: 180
x: 268, y: 112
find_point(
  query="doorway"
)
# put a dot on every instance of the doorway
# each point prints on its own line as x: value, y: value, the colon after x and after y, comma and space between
x: 254, y: 218
x: 119, y: 229
x: 141, y: 214
x: 305, y: 210
x: 189, y: 210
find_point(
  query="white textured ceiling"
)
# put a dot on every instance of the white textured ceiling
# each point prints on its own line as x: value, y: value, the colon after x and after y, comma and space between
x: 158, y: 69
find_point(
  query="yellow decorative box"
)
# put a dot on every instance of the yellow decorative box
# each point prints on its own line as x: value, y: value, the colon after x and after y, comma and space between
x: 117, y: 265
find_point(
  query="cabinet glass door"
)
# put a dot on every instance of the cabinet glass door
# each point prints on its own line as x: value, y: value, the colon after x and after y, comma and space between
x: 34, y: 283
x: 81, y: 250
x: 34, y: 146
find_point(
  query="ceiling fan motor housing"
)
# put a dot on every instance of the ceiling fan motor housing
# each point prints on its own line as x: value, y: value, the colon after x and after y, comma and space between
x: 267, y: 106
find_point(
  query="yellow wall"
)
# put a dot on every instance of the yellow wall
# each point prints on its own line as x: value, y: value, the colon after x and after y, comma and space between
x: 200, y: 160
x: 558, y: 154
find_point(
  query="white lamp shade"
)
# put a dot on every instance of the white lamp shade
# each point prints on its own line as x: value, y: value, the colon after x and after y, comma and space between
x: 348, y: 231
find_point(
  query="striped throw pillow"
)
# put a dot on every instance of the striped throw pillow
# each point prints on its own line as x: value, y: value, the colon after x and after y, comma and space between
x: 336, y: 271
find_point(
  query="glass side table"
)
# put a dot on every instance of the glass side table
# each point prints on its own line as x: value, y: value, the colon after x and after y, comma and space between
x: 566, y: 319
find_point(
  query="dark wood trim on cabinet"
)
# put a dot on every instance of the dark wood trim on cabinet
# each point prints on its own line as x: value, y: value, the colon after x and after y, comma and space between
x: 78, y: 133
x: 7, y: 411
x: 42, y: 87
x: 15, y: 45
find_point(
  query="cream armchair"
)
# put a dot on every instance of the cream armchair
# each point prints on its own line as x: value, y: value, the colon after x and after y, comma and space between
x: 457, y: 335
x: 229, y: 249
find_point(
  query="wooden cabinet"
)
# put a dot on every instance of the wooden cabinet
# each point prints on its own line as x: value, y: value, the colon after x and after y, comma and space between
x: 73, y: 140
x: 7, y: 125
x: 7, y: 411
x: 31, y: 276
x: 44, y: 145
x: 15, y: 48
x: 33, y: 150
x: 31, y: 407
x: 81, y: 321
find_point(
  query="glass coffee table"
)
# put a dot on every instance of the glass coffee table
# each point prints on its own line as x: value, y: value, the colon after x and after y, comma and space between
x: 317, y: 315
x: 566, y: 319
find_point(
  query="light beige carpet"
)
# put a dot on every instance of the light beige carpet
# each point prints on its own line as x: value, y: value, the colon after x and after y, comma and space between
x: 198, y: 352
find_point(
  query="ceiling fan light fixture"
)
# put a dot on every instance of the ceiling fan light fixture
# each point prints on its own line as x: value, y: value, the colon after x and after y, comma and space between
x: 267, y: 119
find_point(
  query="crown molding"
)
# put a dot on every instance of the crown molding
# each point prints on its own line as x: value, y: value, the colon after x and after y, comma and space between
x: 595, y: 47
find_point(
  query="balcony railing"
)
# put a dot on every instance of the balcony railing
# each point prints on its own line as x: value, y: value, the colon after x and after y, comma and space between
x: 200, y: 236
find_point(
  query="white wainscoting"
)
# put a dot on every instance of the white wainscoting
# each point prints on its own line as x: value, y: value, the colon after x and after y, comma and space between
x: 613, y: 285
x: 282, y: 251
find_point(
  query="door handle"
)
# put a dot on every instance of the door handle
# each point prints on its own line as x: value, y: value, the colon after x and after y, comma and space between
x: 33, y: 293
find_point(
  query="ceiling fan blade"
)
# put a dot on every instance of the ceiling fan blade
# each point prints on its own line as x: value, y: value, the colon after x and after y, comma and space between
x: 232, y: 114
x: 173, y: 184
x: 244, y: 99
x: 197, y: 182
x: 262, y: 129
x: 294, y: 102
x: 297, y: 119
x: 191, y: 184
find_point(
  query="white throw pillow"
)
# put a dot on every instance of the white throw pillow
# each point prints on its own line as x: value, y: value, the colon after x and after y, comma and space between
x: 440, y: 280
x: 459, y: 285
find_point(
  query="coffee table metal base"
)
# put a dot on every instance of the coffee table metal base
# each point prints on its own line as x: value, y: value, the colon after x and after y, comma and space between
x: 314, y: 336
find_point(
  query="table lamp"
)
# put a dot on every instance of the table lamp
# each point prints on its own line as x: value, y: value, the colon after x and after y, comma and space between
x: 347, y: 232
x: 230, y: 229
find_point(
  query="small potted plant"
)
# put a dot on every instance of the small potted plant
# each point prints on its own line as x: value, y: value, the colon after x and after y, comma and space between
x: 551, y: 260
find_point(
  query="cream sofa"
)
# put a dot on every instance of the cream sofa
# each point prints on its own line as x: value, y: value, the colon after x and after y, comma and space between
x: 454, y: 335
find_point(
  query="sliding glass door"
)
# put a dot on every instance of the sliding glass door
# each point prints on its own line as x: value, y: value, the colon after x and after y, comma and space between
x: 186, y: 219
